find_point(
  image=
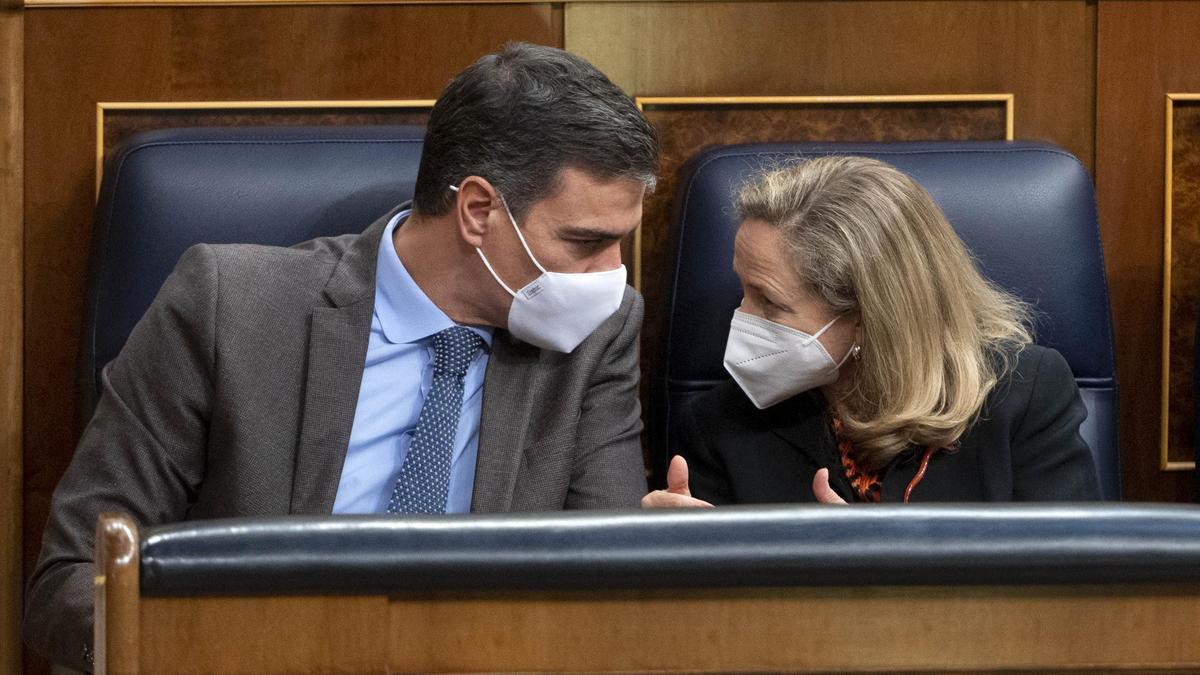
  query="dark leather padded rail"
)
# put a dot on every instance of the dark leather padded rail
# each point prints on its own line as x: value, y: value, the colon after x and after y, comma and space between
x: 736, y: 546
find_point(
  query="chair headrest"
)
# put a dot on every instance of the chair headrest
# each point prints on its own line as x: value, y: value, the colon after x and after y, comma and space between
x: 165, y: 191
x: 1026, y: 211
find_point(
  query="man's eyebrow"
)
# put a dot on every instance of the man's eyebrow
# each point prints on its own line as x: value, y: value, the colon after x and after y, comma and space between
x: 582, y: 232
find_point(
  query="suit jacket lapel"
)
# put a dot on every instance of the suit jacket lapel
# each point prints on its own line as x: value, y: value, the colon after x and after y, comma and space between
x: 337, y: 350
x: 507, y: 407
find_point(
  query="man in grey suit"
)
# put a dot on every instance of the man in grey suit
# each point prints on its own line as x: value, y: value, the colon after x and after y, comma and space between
x: 473, y: 351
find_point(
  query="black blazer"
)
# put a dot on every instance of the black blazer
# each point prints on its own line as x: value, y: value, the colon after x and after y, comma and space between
x: 1025, y: 447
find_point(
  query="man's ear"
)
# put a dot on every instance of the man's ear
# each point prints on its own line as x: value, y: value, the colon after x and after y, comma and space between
x: 476, y: 199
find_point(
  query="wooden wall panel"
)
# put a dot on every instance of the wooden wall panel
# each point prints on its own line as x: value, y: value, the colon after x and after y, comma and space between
x: 11, y: 327
x: 1145, y: 50
x: 1042, y: 52
x: 863, y: 629
x: 1181, y: 257
x: 79, y: 57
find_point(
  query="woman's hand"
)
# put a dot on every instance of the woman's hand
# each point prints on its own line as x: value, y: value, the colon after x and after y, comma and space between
x: 821, y: 489
x: 677, y: 494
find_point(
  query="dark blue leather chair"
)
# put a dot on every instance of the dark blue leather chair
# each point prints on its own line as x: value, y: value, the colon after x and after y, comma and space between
x: 164, y: 191
x: 1026, y: 210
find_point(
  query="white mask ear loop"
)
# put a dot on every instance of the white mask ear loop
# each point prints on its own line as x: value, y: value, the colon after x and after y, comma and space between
x: 823, y: 329
x: 494, y: 275
x: 487, y: 264
x: 521, y: 236
x: 849, y: 352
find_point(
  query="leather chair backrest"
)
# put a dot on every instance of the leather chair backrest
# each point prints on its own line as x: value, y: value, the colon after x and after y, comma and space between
x: 164, y: 191
x: 1026, y: 211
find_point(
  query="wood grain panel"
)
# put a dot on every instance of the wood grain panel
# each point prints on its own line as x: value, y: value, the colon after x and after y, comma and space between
x: 79, y: 57
x: 1182, y: 258
x: 254, y: 635
x: 1145, y: 50
x: 1042, y: 52
x: 686, y: 128
x: 12, y: 53
x: 915, y: 629
x: 911, y: 629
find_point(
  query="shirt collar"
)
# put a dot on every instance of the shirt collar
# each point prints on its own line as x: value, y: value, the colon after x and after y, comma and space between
x: 405, y: 313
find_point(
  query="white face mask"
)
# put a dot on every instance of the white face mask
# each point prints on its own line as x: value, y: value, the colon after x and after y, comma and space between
x: 557, y: 310
x: 772, y: 362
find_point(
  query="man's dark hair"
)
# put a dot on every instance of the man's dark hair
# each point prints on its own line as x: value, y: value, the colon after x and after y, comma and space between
x: 519, y: 117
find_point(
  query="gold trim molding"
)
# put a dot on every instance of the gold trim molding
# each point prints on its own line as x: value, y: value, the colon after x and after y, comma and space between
x: 1164, y: 460
x: 52, y: 4
x: 13, y: 355
x: 713, y: 101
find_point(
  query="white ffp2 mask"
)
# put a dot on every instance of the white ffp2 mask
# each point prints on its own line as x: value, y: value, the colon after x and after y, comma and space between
x: 772, y: 362
x: 558, y: 310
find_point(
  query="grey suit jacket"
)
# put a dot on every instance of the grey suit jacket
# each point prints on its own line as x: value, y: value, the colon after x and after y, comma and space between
x: 235, y: 395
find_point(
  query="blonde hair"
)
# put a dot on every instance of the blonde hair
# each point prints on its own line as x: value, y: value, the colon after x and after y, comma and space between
x: 936, y: 336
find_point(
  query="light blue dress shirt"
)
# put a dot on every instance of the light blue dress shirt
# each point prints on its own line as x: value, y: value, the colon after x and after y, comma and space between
x: 396, y: 379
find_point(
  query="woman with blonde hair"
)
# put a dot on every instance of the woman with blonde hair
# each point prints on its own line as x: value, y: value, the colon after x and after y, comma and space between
x: 872, y: 362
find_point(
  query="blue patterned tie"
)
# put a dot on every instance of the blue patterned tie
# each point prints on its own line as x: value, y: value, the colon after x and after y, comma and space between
x: 425, y: 477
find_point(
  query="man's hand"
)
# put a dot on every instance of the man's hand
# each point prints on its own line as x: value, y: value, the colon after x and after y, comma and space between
x: 677, y: 494
x: 821, y: 489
